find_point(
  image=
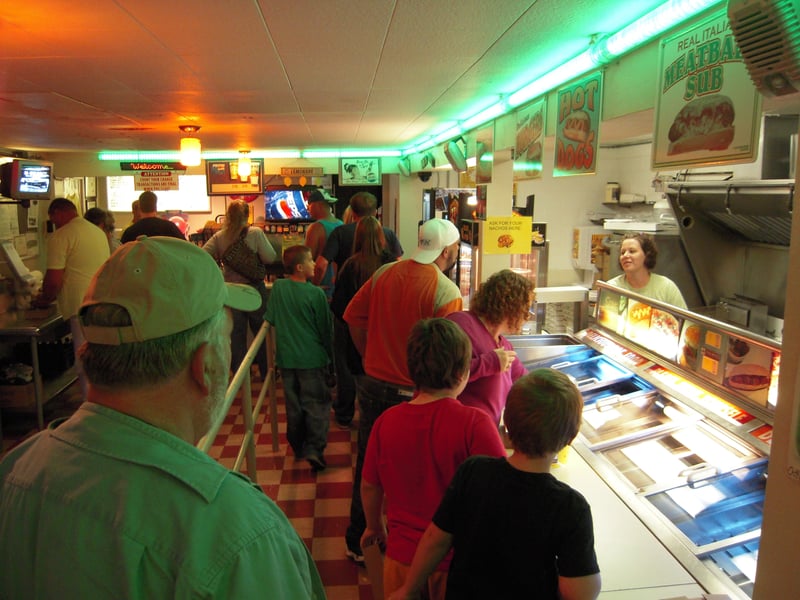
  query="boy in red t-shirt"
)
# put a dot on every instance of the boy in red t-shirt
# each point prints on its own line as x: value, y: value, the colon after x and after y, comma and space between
x: 416, y: 447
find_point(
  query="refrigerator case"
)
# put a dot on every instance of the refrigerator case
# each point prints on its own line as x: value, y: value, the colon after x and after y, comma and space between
x: 453, y: 204
x: 677, y: 444
x: 467, y: 271
x: 534, y: 266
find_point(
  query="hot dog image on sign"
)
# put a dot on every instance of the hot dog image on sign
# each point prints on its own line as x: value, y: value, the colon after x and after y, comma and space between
x: 707, y: 109
x: 577, y: 126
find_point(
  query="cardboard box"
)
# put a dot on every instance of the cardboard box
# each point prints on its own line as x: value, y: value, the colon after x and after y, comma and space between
x: 20, y: 397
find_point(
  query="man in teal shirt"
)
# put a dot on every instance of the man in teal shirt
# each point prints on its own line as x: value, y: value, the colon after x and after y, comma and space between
x: 116, y: 501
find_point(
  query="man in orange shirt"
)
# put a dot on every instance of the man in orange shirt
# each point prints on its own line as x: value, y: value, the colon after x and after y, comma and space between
x: 380, y: 318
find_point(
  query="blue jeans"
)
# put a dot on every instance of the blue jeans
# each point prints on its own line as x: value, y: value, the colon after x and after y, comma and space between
x: 345, y: 405
x: 308, y: 406
x: 374, y: 397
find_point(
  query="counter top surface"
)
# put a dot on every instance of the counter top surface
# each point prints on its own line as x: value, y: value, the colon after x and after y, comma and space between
x: 29, y: 322
x: 633, y: 563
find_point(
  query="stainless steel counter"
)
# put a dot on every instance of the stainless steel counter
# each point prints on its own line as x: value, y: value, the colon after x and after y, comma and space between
x: 33, y: 325
x: 634, y: 565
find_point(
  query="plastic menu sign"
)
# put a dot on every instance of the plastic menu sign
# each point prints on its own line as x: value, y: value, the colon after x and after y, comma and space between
x: 577, y: 122
x: 747, y: 369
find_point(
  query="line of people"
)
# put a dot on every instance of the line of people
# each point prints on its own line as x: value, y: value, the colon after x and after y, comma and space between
x: 430, y: 429
x: 157, y: 318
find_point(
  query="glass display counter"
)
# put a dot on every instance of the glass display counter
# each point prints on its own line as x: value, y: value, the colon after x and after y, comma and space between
x: 678, y: 413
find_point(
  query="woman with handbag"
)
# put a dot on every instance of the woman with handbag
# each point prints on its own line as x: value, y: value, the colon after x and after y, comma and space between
x: 243, y: 252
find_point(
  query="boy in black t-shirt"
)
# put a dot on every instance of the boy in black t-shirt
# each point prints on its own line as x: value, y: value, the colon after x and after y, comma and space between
x: 517, y: 532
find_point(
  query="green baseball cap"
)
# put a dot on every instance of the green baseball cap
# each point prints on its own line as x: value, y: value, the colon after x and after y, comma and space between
x: 167, y: 286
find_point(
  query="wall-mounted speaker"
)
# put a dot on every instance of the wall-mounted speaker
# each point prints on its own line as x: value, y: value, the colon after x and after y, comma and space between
x: 456, y: 154
x: 768, y: 36
x: 404, y: 166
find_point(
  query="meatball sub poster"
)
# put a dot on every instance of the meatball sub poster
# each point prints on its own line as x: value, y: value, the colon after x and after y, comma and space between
x: 576, y: 126
x: 707, y: 109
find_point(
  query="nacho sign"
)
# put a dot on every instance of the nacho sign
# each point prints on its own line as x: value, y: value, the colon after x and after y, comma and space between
x: 577, y: 125
x: 507, y: 235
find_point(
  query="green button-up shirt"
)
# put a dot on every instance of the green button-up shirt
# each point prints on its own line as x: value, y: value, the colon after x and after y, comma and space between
x: 107, y: 506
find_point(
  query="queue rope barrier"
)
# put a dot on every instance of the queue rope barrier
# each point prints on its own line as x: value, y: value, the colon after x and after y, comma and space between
x: 250, y: 412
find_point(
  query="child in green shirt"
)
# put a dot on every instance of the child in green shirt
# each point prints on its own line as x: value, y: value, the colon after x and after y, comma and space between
x: 304, y: 350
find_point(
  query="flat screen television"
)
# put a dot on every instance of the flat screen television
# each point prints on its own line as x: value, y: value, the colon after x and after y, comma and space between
x: 26, y: 179
x: 286, y: 204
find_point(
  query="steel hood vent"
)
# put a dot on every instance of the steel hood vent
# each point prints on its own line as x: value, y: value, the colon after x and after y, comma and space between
x: 758, y: 211
x: 768, y: 35
x: 766, y: 230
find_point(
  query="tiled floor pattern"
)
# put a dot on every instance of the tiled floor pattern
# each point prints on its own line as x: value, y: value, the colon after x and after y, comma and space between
x: 317, y: 504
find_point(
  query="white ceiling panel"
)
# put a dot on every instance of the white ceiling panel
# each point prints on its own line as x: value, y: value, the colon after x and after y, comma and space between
x: 124, y: 74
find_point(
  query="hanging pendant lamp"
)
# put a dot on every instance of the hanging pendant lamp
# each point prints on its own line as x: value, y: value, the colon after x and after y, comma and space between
x: 244, y: 166
x: 190, y: 146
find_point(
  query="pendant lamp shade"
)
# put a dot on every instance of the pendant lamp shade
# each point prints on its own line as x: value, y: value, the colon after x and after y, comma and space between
x: 190, y: 146
x: 244, y: 166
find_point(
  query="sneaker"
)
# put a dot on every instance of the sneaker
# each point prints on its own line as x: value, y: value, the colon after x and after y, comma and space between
x: 342, y: 425
x: 317, y: 462
x: 355, y: 557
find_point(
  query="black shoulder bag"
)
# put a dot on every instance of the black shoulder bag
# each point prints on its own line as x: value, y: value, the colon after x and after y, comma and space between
x: 244, y: 261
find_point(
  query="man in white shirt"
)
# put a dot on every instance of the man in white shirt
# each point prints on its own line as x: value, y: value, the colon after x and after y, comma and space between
x: 74, y: 253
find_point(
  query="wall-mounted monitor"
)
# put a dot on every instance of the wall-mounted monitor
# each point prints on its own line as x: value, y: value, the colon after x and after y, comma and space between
x: 283, y: 203
x: 26, y: 179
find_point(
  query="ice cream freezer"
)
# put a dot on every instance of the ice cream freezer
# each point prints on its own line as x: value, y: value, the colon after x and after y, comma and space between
x: 677, y: 421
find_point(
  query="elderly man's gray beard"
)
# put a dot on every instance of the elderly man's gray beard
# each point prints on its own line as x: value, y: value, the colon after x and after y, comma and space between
x: 215, y: 405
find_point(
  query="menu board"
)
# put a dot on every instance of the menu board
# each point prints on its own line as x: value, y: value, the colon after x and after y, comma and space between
x: 650, y: 327
x: 700, y: 350
x: 609, y: 307
x: 748, y: 369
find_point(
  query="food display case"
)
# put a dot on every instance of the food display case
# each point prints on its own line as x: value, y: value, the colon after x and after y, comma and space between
x: 678, y: 413
x: 467, y: 271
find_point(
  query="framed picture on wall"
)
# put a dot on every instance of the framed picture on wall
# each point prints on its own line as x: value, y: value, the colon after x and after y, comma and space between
x: 222, y: 177
x: 91, y: 187
x: 359, y: 171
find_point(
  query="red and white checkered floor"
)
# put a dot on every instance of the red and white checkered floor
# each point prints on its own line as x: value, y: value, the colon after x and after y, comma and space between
x: 317, y: 504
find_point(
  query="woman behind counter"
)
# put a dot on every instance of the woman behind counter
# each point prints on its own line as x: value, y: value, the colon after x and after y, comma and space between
x: 637, y: 258
x: 501, y: 306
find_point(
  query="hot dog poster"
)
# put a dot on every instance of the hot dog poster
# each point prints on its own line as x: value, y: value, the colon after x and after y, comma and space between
x: 577, y: 126
x: 707, y: 109
x: 748, y: 369
x: 507, y: 235
x: 529, y: 143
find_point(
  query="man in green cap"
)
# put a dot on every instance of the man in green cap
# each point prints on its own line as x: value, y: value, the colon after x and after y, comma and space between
x: 116, y: 501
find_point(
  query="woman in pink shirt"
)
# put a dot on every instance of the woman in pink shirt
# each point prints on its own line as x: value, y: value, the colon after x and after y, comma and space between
x: 501, y: 306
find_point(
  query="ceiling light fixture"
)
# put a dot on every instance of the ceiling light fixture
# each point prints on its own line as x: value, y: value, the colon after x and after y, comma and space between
x: 190, y: 146
x: 244, y: 165
x: 643, y: 30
